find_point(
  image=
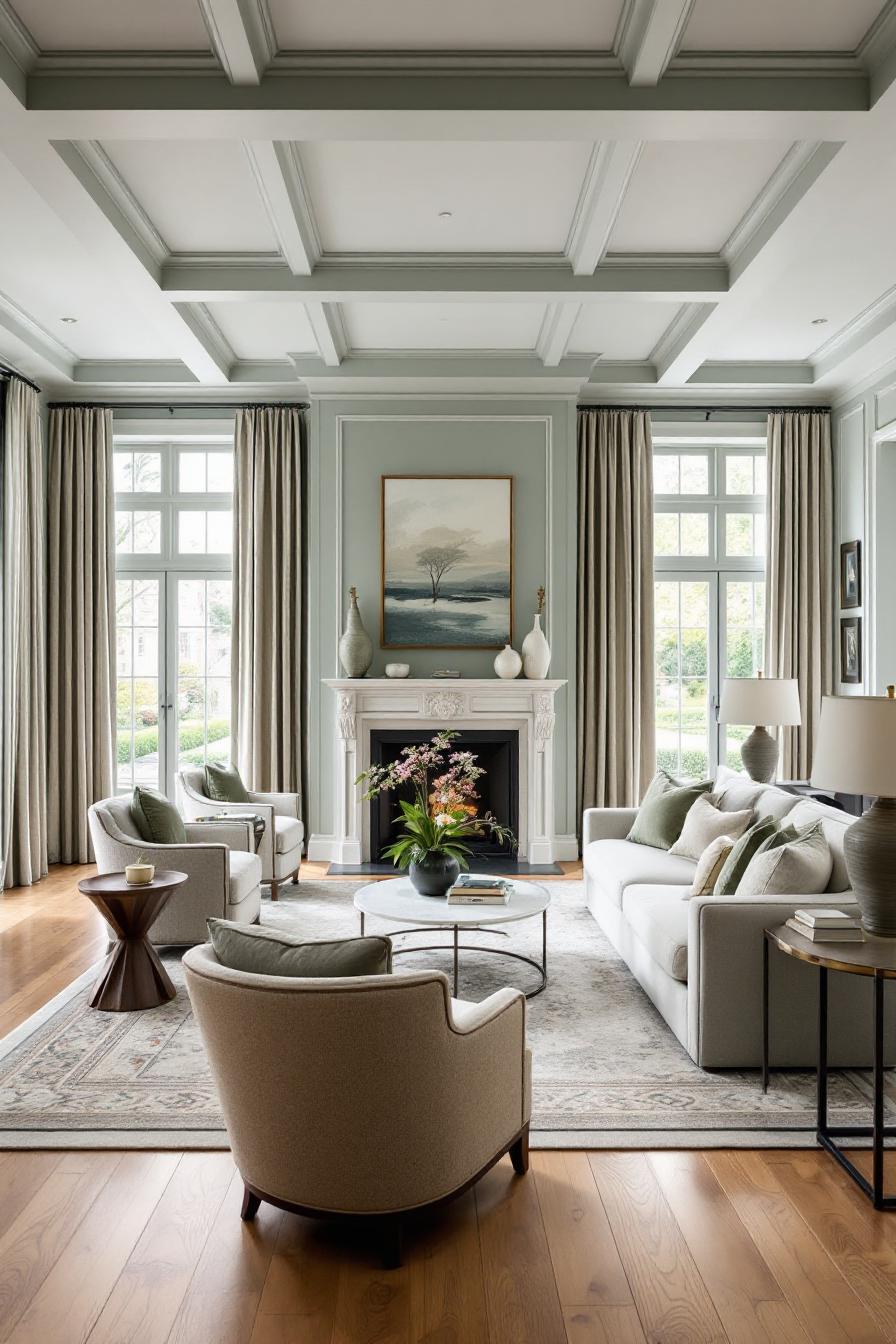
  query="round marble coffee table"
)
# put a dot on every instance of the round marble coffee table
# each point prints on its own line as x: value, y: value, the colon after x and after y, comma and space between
x: 397, y: 901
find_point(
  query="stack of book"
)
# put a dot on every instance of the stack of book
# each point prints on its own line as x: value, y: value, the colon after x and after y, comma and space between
x: 472, y: 890
x: 823, y: 925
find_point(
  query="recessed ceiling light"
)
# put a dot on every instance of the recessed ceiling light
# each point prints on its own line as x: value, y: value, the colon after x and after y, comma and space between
x: 819, y: 321
x: 446, y: 214
x: 68, y: 319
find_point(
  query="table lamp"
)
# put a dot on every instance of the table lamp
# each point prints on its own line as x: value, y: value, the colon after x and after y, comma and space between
x: 760, y: 700
x: 856, y: 753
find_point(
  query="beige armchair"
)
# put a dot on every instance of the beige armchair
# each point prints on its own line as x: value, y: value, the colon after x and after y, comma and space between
x: 280, y: 848
x: 219, y: 859
x: 368, y: 1097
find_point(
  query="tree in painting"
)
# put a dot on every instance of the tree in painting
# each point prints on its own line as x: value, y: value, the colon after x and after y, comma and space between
x: 437, y: 560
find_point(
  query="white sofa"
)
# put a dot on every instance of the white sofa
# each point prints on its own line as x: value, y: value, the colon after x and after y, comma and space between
x: 224, y: 873
x: 700, y: 959
x: 280, y: 848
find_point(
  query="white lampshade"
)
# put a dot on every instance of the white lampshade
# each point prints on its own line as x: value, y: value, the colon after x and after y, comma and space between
x: 760, y: 700
x: 856, y: 747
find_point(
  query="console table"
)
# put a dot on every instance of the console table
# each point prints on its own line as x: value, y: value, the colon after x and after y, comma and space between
x: 876, y: 957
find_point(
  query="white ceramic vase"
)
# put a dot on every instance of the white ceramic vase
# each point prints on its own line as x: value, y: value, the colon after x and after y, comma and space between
x: 355, y: 646
x: 536, y: 652
x: 508, y: 663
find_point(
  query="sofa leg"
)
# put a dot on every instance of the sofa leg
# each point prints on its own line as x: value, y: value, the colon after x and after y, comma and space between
x: 519, y: 1153
x: 275, y: 887
x: 390, y: 1243
x: 250, y: 1207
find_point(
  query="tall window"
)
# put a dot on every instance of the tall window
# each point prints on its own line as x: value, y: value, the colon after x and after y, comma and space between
x: 709, y: 571
x: 173, y: 519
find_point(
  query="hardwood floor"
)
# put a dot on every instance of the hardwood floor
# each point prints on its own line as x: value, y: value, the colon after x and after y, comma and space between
x: 589, y: 1248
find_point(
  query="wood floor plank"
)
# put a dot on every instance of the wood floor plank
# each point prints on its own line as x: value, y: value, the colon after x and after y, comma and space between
x: 854, y: 1236
x: 446, y: 1288
x: 298, y: 1300
x: 21, y: 1176
x: 747, y: 1296
x: 71, y: 1297
x: 594, y: 1292
x: 144, y: 1303
x: 670, y: 1295
x: 223, y: 1297
x: 372, y: 1304
x: 821, y: 1299
x: 37, y: 1237
x: 521, y: 1294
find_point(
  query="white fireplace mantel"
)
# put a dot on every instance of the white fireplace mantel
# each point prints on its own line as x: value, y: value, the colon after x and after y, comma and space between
x: 366, y: 704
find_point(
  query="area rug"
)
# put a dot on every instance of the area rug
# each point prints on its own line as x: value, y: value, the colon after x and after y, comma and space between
x: 607, y: 1072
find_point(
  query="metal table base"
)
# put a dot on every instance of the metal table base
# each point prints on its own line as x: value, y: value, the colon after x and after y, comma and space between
x: 457, y: 947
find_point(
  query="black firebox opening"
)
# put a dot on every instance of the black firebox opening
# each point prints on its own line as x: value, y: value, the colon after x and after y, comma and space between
x: 497, y: 752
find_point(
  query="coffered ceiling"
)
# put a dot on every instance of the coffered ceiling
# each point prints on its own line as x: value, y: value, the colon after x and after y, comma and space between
x: 622, y: 198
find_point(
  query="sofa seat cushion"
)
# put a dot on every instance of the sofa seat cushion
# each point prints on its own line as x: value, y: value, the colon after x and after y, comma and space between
x: 288, y: 834
x: 616, y: 864
x: 658, y: 916
x: 245, y: 874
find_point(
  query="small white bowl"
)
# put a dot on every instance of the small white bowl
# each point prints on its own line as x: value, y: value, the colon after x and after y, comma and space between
x: 397, y: 670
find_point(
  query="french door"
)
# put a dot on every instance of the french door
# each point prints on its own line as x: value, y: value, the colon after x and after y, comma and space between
x: 173, y: 634
x: 708, y: 626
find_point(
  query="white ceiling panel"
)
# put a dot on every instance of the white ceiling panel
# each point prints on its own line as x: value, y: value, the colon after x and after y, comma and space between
x: 200, y: 194
x: 125, y: 25
x: 620, y: 330
x: 465, y: 25
x: 45, y: 271
x: 687, y: 196
x: 388, y: 197
x: 264, y: 330
x: 443, y: 326
x: 779, y: 25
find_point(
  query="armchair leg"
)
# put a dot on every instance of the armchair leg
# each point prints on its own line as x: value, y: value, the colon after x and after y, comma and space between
x: 251, y: 1204
x: 519, y: 1153
x: 275, y: 887
x: 295, y: 877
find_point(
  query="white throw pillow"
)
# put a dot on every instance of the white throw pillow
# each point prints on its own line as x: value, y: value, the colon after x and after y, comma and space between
x: 800, y: 868
x: 710, y: 864
x: 704, y: 823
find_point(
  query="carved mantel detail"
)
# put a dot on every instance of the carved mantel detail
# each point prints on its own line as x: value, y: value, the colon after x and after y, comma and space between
x: 443, y: 705
x: 544, y: 720
x: 346, y: 713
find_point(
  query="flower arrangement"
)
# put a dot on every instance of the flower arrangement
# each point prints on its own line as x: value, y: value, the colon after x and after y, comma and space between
x: 443, y: 813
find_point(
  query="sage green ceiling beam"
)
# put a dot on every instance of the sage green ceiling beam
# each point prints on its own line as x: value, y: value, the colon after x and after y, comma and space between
x: 644, y: 279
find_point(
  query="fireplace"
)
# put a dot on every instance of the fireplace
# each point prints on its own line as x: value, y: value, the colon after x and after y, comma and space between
x: 497, y: 752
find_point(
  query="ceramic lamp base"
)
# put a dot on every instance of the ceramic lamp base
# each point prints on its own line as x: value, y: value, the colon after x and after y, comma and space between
x: 870, y: 849
x: 760, y: 756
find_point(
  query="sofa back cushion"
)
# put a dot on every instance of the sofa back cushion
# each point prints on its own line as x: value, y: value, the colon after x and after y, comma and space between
x: 739, y: 858
x: 734, y: 792
x: 662, y: 813
x: 835, y: 824
x: 261, y: 951
x: 800, y: 868
x: 704, y: 823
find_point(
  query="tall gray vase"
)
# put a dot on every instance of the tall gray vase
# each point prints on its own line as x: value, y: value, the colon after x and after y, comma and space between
x: 355, y: 646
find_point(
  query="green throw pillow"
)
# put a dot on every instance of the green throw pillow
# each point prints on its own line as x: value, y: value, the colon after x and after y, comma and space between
x: 661, y: 815
x: 257, y: 951
x: 157, y: 820
x: 745, y: 847
x: 223, y: 784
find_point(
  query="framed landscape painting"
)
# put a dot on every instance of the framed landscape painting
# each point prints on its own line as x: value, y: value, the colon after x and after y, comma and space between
x: 447, y: 562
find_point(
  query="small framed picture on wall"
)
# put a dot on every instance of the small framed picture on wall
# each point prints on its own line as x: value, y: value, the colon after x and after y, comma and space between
x: 851, y: 650
x: 851, y: 574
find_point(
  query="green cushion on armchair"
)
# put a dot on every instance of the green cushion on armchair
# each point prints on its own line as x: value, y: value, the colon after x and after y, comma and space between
x: 223, y: 783
x: 157, y: 820
x: 263, y: 951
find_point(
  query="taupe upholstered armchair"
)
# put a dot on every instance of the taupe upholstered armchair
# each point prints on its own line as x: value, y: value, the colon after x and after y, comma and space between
x: 280, y: 848
x: 371, y: 1096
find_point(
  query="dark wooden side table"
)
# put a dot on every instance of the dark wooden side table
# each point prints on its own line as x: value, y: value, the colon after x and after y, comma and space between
x: 132, y: 977
x: 876, y: 957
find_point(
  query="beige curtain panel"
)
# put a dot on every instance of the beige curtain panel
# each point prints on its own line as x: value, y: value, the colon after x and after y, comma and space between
x: 81, y: 625
x: 269, y: 656
x: 799, y: 571
x: 614, y: 655
x: 23, y: 785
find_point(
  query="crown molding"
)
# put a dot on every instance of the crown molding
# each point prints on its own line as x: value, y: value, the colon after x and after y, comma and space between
x: 435, y: 365
x: 648, y: 36
x: 556, y: 329
x: 278, y: 173
x: 872, y: 321
x: 40, y: 342
x: 754, y: 373
x: 134, y: 372
x: 120, y: 62
x: 610, y: 169
x: 329, y: 332
x: 794, y: 64
x: 242, y: 37
x: 16, y: 39
x: 462, y: 62
x: 97, y: 162
x: 880, y: 39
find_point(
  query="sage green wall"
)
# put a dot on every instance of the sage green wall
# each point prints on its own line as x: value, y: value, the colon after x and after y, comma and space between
x: 355, y: 441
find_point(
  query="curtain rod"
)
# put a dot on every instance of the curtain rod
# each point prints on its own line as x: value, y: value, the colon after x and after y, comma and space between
x: 176, y: 406
x: 704, y: 410
x: 7, y: 372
